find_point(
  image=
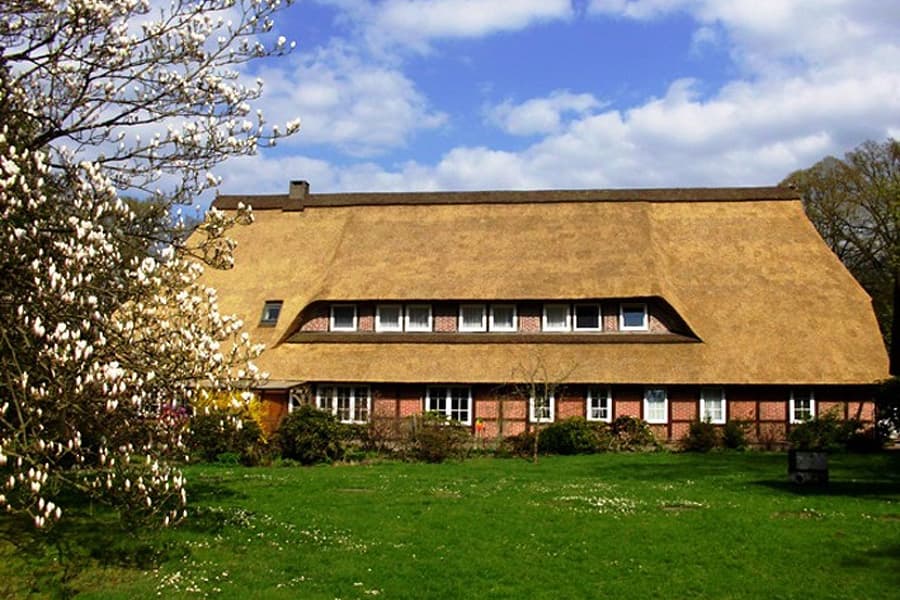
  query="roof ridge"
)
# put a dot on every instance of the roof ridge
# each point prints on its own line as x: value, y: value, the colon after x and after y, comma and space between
x: 695, y: 194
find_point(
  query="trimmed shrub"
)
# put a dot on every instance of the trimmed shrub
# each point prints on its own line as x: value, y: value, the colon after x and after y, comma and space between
x: 217, y: 433
x: 630, y: 434
x: 433, y: 438
x: 734, y: 435
x: 309, y: 436
x: 575, y: 435
x: 702, y: 436
x: 521, y: 444
x: 830, y: 433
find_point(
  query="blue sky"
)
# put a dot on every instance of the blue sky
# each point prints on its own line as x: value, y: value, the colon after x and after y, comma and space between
x: 405, y: 95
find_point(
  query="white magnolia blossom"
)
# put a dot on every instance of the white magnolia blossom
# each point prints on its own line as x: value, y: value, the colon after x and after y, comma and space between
x: 107, y: 331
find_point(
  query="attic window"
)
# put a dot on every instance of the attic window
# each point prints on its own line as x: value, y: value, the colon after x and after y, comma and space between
x: 503, y: 317
x: 270, y: 313
x: 633, y: 317
x: 472, y: 317
x: 418, y: 317
x: 556, y: 317
x: 587, y: 317
x: 343, y: 317
x: 388, y: 317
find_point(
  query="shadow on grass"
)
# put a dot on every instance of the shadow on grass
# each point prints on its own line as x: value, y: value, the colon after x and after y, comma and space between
x: 875, y: 476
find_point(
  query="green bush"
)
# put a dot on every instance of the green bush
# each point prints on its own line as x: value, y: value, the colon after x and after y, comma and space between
x: 826, y: 433
x: 521, y: 444
x: 220, y: 433
x: 888, y: 404
x: 309, y: 435
x: 575, y: 435
x: 630, y: 434
x: 433, y: 438
x: 702, y: 436
x: 734, y: 435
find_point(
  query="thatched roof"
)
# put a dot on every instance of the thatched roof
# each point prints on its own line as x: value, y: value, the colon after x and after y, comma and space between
x: 743, y: 267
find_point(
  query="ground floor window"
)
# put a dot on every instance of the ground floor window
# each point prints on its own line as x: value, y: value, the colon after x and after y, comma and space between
x: 803, y: 406
x: 454, y: 402
x: 656, y: 405
x: 599, y: 404
x: 712, y: 405
x: 540, y: 408
x: 349, y: 403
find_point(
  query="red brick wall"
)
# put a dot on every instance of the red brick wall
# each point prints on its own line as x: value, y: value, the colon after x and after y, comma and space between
x: 444, y: 317
x: 529, y: 318
x: 315, y: 318
x: 365, y: 317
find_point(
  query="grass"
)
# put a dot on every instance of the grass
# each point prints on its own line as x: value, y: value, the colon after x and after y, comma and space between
x: 627, y: 526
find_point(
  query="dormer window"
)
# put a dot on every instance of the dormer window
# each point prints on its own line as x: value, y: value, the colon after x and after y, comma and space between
x: 472, y: 317
x: 418, y: 317
x: 587, y: 317
x: 270, y: 313
x: 343, y: 317
x: 556, y: 317
x: 503, y: 317
x: 633, y: 317
x: 389, y: 317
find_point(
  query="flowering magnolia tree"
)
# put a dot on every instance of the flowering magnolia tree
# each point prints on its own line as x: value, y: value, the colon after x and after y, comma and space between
x: 105, y: 322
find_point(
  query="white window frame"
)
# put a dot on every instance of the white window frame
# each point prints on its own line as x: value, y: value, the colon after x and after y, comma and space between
x: 645, y: 324
x: 545, y: 326
x: 793, y: 408
x: 448, y: 407
x: 353, y: 400
x: 331, y: 324
x: 531, y: 407
x: 704, y: 401
x: 493, y: 326
x: 380, y: 325
x: 575, y: 326
x: 410, y: 327
x: 462, y: 324
x: 607, y: 391
x: 646, y: 407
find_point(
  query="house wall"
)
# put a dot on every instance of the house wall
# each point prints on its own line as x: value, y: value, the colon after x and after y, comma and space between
x: 764, y: 409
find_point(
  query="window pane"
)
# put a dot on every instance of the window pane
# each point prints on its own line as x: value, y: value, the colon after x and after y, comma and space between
x: 503, y: 317
x: 713, y: 404
x: 587, y: 316
x: 418, y: 317
x: 472, y: 317
x: 437, y: 400
x: 271, y: 311
x: 388, y: 318
x: 541, y: 408
x: 326, y: 395
x: 634, y: 316
x: 599, y: 405
x: 361, y: 404
x: 655, y: 405
x: 556, y: 316
x: 459, y: 404
x: 343, y: 317
x: 342, y: 400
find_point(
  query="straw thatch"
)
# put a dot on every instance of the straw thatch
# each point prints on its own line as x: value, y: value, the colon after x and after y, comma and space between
x: 743, y: 268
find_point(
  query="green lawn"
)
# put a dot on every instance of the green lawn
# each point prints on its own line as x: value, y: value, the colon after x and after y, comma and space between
x: 618, y: 526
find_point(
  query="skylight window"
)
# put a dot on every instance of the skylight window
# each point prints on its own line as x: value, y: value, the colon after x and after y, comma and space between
x: 271, y: 312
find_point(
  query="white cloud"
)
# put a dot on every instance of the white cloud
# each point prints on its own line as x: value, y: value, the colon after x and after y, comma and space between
x: 415, y: 23
x: 540, y: 115
x: 360, y: 107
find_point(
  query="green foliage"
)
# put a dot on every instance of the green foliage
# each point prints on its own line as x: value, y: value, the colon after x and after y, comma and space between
x: 827, y: 433
x: 630, y: 434
x: 433, y: 438
x: 575, y: 435
x: 702, y: 436
x: 521, y: 444
x: 309, y: 435
x: 218, y: 433
x: 734, y: 435
x: 888, y: 403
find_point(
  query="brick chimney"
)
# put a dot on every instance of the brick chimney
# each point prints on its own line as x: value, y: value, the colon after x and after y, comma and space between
x: 297, y: 194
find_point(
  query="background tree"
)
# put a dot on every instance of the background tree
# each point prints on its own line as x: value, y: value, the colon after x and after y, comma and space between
x: 854, y: 202
x: 105, y: 324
